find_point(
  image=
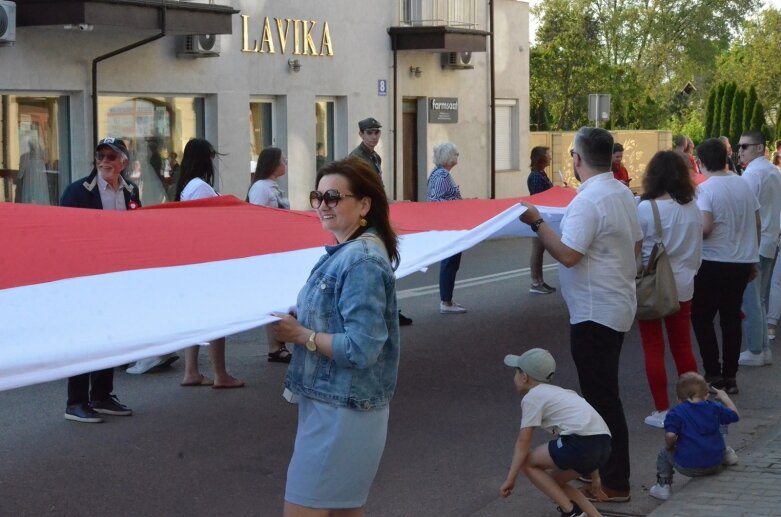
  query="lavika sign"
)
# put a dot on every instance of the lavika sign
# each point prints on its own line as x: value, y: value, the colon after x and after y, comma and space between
x: 287, y: 34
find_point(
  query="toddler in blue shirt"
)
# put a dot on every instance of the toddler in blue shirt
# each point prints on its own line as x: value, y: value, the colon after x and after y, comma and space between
x: 692, y: 434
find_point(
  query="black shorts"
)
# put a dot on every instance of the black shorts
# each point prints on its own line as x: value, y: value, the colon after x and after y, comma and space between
x: 583, y: 454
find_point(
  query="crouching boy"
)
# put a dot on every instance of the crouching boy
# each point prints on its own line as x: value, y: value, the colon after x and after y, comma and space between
x: 581, y: 441
x: 694, y: 444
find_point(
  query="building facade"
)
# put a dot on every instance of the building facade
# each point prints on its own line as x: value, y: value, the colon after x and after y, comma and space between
x: 296, y: 75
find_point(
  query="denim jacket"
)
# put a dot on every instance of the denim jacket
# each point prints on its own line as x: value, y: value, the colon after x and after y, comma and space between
x: 351, y: 293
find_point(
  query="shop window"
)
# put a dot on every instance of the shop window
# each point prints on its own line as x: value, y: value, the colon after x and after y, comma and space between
x: 324, y: 132
x: 506, y: 150
x: 155, y: 130
x: 34, y: 160
x: 261, y: 128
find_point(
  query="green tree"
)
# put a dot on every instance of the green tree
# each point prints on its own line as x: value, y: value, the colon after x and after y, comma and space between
x: 726, y: 108
x: 710, y: 107
x: 736, y: 118
x: 717, y: 110
x: 757, y: 118
x: 748, y: 107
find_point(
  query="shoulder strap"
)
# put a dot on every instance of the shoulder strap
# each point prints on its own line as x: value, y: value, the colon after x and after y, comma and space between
x: 657, y: 220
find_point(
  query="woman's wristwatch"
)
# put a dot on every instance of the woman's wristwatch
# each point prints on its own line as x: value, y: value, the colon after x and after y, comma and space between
x: 310, y: 343
x: 536, y: 224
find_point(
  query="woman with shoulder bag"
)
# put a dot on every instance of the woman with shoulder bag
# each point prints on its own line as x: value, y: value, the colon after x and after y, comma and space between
x: 667, y: 183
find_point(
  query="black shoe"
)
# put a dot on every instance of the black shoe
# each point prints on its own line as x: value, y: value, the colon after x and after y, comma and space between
x: 730, y: 386
x: 575, y: 512
x: 403, y: 320
x: 111, y: 406
x: 82, y: 413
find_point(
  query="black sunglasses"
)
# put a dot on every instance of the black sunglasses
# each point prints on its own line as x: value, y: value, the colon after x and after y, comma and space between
x: 331, y: 198
x: 746, y: 146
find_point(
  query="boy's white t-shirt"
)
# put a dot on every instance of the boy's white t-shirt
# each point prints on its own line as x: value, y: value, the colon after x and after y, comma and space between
x: 682, y: 238
x: 560, y: 412
x: 734, y: 208
x: 196, y: 188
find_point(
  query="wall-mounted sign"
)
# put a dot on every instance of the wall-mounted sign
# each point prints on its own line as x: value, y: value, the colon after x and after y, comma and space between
x: 443, y: 110
x: 382, y: 87
x: 283, y: 33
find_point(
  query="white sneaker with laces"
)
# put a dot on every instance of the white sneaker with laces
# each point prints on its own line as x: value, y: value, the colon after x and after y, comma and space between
x: 768, y: 356
x: 656, y: 419
x: 730, y: 457
x: 661, y: 492
x: 749, y: 358
x: 453, y: 308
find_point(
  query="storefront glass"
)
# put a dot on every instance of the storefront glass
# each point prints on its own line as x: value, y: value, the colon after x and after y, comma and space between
x: 261, y: 129
x: 156, y: 130
x: 324, y: 132
x: 31, y: 149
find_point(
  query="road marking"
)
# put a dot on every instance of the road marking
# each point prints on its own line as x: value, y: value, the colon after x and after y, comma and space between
x: 470, y: 282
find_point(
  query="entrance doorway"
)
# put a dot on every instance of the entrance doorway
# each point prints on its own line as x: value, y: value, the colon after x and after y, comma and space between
x: 410, y: 149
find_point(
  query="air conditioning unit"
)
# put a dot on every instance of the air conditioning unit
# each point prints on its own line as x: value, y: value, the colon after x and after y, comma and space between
x: 198, y: 45
x: 457, y: 60
x: 7, y: 23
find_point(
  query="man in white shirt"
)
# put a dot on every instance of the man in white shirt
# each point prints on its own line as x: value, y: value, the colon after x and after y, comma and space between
x: 600, y: 239
x: 765, y: 182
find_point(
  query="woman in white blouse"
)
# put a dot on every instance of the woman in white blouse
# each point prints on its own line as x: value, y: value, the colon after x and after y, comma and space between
x: 668, y: 183
x: 195, y: 182
x: 272, y: 164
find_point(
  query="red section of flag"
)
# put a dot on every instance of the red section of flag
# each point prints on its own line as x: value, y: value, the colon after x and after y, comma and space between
x: 42, y: 244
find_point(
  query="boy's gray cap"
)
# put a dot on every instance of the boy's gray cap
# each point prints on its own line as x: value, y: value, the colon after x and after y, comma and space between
x: 536, y: 363
x: 369, y: 123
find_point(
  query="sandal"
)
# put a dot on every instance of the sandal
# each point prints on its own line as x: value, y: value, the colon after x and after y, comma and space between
x: 282, y: 355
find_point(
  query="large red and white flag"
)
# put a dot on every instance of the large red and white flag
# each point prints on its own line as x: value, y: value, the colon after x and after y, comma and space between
x: 82, y: 290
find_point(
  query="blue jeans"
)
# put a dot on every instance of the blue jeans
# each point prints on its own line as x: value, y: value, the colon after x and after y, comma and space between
x: 754, y: 303
x: 447, y: 277
x: 666, y: 467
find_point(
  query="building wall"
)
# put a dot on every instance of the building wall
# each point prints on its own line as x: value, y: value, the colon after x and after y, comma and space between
x: 55, y: 61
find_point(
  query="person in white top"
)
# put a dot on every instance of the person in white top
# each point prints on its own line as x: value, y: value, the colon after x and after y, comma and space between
x: 731, y: 227
x: 265, y: 191
x: 765, y: 182
x: 667, y: 183
x: 581, y: 438
x: 195, y: 182
x: 600, y: 239
x: 272, y: 164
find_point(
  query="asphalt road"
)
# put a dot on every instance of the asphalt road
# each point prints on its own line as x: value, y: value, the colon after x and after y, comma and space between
x: 198, y: 451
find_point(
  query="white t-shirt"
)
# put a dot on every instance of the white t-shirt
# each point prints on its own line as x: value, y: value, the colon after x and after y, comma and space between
x: 560, y: 412
x: 734, y: 207
x: 196, y: 188
x: 681, y: 236
x: 267, y: 193
x: 601, y: 223
x: 764, y: 180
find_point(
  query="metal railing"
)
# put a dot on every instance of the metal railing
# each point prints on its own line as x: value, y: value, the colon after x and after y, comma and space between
x: 429, y: 13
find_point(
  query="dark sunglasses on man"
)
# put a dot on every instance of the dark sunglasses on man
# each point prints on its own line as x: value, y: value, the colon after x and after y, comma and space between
x: 331, y: 198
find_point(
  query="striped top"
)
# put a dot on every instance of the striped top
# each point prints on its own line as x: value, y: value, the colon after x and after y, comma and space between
x: 441, y: 186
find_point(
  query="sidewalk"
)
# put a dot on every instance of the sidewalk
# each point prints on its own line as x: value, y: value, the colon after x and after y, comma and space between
x: 750, y: 488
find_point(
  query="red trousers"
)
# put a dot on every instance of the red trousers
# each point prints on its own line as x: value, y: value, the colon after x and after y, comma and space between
x: 679, y: 334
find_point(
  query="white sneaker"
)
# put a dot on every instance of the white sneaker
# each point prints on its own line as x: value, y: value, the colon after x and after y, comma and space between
x: 144, y: 365
x: 771, y: 333
x: 661, y: 492
x: 749, y: 358
x: 656, y: 419
x: 454, y: 308
x: 768, y: 356
x: 730, y: 457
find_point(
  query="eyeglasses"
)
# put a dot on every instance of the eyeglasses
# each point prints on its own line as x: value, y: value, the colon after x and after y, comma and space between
x: 331, y: 198
x: 745, y: 146
x: 372, y: 131
x: 572, y: 153
x: 106, y: 156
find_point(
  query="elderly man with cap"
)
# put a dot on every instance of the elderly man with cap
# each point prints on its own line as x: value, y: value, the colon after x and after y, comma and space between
x: 369, y: 129
x: 90, y: 394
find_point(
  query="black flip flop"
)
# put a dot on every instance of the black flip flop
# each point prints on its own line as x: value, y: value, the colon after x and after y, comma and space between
x: 282, y: 355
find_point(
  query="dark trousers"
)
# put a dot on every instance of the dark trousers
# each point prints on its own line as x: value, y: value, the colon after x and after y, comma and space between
x: 79, y: 386
x: 447, y: 277
x: 718, y: 288
x: 596, y: 350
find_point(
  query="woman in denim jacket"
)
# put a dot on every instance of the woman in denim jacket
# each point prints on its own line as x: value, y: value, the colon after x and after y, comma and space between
x: 343, y: 374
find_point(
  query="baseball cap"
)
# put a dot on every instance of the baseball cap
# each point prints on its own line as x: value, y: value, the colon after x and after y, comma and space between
x: 116, y: 144
x: 536, y: 363
x: 369, y: 123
